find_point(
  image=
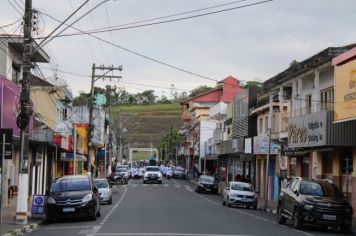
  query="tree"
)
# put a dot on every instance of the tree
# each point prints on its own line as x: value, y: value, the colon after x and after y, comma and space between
x: 201, y: 89
x: 254, y: 84
x: 146, y: 97
x: 82, y: 99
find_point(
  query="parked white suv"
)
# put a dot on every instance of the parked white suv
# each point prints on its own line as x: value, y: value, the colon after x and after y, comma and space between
x: 152, y: 174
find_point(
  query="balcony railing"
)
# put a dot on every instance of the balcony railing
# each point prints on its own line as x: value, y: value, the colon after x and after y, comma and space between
x: 311, y: 109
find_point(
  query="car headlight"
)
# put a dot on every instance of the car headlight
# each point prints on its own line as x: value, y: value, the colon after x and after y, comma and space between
x: 159, y: 175
x: 308, y: 207
x: 348, y: 210
x: 145, y: 175
x: 51, y: 200
x: 87, y: 198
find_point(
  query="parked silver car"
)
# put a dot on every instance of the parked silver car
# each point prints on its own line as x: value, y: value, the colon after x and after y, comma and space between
x: 105, y: 193
x: 240, y: 193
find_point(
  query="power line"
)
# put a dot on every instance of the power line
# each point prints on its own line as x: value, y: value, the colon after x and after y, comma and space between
x: 160, y: 22
x: 10, y: 24
x: 13, y: 6
x: 172, y: 15
x: 88, y: 76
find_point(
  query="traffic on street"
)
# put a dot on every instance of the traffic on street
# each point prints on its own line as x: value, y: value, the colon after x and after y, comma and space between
x: 173, y: 208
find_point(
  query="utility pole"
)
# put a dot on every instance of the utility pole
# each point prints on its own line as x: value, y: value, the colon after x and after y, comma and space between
x: 74, y: 147
x: 171, y: 145
x: 94, y: 78
x: 121, y: 140
x: 24, y: 117
x: 267, y: 167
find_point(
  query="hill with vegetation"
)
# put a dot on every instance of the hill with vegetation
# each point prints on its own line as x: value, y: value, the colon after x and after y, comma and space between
x: 145, y: 125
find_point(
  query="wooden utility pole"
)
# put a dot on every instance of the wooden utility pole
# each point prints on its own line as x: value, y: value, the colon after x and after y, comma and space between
x: 94, y: 78
x: 24, y: 116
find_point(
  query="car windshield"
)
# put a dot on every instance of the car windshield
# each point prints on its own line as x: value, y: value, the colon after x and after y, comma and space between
x: 242, y: 187
x: 70, y: 184
x: 121, y: 170
x: 152, y: 169
x: 101, y: 183
x: 318, y: 189
x: 207, y: 179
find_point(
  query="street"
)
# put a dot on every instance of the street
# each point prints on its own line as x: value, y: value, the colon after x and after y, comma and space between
x: 172, y: 208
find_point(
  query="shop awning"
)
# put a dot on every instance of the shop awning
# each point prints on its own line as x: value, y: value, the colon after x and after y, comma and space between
x: 68, y: 156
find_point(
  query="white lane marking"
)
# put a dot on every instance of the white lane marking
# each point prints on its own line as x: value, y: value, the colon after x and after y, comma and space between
x: 145, y: 185
x: 66, y: 227
x: 177, y: 186
x: 165, y: 185
x: 188, y: 188
x: 134, y: 185
x: 98, y: 227
x: 155, y: 185
x: 302, y: 232
x: 170, y: 234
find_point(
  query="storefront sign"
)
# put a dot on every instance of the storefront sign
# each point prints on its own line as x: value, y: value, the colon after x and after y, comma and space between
x: 345, y: 86
x: 308, y: 130
x: 260, y: 145
x: 43, y: 135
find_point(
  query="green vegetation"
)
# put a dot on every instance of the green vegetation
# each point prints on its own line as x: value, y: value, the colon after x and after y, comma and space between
x: 146, y: 125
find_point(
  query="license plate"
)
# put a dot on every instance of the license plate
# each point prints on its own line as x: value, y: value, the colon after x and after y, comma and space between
x: 244, y: 200
x: 68, y: 209
x: 329, y: 217
x: 208, y: 190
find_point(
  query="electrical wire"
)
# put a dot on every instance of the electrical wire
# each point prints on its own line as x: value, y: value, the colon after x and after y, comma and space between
x: 10, y: 24
x: 13, y: 6
x: 160, y: 22
x: 85, y: 36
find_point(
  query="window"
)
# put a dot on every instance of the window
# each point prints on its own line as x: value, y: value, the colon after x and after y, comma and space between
x: 308, y: 100
x: 260, y: 125
x: 15, y: 72
x: 327, y: 98
x: 293, y: 166
x: 266, y: 124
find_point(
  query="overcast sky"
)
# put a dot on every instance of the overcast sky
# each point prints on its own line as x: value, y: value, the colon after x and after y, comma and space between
x: 248, y: 43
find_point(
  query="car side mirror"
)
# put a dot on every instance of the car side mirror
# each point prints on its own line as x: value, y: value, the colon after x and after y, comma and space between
x: 95, y: 189
x: 227, y: 188
x: 296, y: 192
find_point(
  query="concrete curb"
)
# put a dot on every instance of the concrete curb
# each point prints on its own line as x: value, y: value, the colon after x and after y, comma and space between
x: 22, y: 230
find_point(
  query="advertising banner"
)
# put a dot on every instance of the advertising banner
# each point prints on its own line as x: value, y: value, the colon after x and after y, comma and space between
x: 345, y: 90
x: 260, y: 145
x: 10, y: 106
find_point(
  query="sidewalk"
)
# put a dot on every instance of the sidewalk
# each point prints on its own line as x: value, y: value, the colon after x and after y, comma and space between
x: 8, y: 226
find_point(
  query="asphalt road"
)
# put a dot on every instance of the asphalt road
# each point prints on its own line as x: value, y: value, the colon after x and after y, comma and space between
x: 172, y: 208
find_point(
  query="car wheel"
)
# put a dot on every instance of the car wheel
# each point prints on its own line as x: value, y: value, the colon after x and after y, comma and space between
x: 93, y: 214
x: 346, y: 229
x: 223, y: 203
x: 280, y: 218
x: 160, y: 182
x: 110, y: 200
x: 144, y: 182
x: 298, y: 222
x: 254, y: 207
